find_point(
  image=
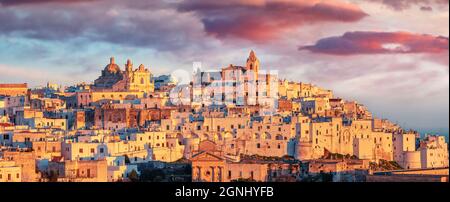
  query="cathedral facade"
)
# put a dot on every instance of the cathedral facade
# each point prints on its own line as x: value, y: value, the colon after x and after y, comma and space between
x: 114, y: 79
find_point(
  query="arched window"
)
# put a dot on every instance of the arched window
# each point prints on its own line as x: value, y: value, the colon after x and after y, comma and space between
x: 142, y: 81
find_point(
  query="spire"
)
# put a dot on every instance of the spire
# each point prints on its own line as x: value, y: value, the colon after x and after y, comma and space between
x: 111, y: 60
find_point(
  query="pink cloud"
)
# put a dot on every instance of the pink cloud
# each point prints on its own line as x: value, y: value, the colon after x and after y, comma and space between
x: 261, y: 20
x: 353, y: 43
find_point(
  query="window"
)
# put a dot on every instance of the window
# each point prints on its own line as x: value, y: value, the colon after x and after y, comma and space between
x: 81, y: 150
x: 258, y: 145
x: 101, y: 150
x: 92, y: 150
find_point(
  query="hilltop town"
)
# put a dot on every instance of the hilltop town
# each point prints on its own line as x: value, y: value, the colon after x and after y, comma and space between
x: 239, y: 123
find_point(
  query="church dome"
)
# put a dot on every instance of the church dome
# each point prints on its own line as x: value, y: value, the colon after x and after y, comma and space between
x: 112, y: 67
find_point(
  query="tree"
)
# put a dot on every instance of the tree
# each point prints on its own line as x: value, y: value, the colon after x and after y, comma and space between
x: 152, y: 175
x: 52, y: 176
x: 133, y: 176
x: 127, y: 159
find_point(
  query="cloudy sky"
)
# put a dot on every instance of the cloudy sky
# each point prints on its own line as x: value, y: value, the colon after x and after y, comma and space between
x: 391, y: 55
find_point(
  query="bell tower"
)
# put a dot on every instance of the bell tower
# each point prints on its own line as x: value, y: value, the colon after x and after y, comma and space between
x: 252, y: 62
x: 129, y: 66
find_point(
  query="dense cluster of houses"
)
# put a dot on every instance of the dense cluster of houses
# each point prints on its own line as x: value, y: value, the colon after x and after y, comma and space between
x: 237, y: 124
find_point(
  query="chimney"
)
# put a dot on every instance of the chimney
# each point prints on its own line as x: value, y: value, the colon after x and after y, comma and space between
x: 111, y: 60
